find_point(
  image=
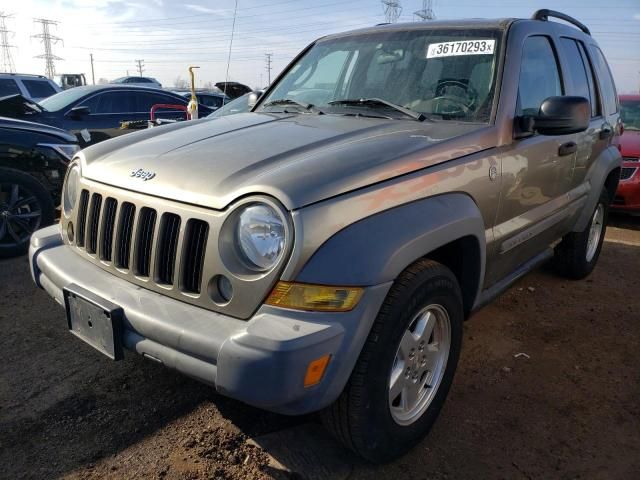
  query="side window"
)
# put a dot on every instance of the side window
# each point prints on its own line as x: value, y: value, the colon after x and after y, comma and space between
x: 539, y: 75
x: 145, y: 100
x: 593, y: 91
x: 39, y: 88
x: 607, y: 87
x: 8, y: 87
x: 577, y: 71
x: 111, y: 102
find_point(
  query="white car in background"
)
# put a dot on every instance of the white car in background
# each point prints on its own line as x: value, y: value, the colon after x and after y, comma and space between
x: 143, y: 81
x: 32, y: 87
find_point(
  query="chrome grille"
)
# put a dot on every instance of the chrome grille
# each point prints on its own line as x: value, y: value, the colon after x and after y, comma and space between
x: 108, y: 227
x: 82, y: 216
x: 144, y: 241
x: 167, y: 247
x: 631, y: 159
x: 124, y: 234
x: 92, y: 222
x: 627, y: 172
x: 193, y: 255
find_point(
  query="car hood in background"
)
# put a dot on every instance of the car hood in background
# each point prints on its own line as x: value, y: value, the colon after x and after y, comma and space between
x: 299, y: 159
x: 630, y: 143
x: 18, y: 105
x: 23, y: 125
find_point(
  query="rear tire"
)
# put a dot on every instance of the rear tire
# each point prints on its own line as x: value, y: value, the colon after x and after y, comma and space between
x: 368, y: 417
x: 576, y: 256
x: 25, y: 206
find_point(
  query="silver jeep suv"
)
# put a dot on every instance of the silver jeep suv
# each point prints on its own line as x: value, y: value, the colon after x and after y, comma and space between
x: 321, y: 252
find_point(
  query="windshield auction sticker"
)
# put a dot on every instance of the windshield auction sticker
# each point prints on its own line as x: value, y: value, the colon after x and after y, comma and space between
x: 464, y: 47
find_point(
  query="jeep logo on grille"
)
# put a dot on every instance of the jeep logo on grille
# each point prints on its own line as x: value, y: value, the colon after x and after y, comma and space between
x: 143, y: 174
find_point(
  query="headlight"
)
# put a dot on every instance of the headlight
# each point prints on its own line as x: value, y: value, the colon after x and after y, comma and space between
x: 71, y: 187
x: 260, y: 234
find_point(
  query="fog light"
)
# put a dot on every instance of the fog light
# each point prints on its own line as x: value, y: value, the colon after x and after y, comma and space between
x: 220, y: 289
x: 70, y: 234
x: 322, y: 298
x: 315, y: 371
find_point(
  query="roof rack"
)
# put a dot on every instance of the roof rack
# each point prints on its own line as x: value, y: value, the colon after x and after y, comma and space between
x: 545, y: 13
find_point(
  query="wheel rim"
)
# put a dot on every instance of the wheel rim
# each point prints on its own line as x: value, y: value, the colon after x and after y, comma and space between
x: 20, y: 214
x: 595, y: 232
x: 419, y: 365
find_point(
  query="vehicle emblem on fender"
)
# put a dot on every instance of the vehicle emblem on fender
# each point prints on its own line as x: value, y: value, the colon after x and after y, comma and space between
x: 143, y: 174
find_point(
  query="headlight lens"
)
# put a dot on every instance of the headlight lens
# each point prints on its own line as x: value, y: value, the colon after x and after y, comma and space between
x: 71, y: 187
x: 261, y: 236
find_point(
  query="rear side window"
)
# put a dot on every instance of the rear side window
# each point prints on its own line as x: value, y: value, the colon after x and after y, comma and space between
x: 111, y: 102
x: 210, y: 100
x: 607, y: 87
x: 39, y: 88
x: 146, y: 100
x: 539, y: 75
x: 8, y: 87
x: 578, y: 72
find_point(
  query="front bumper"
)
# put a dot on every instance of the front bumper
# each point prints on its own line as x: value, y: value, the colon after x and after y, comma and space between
x: 261, y: 361
x: 627, y: 196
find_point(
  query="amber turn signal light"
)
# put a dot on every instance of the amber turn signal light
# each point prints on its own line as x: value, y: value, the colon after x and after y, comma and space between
x: 321, y: 298
x: 315, y: 371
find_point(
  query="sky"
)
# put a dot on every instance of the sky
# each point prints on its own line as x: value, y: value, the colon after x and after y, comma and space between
x: 169, y: 35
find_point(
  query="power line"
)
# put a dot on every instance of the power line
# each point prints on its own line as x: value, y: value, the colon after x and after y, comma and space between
x: 140, y: 66
x: 7, y: 59
x: 392, y: 10
x: 48, y: 40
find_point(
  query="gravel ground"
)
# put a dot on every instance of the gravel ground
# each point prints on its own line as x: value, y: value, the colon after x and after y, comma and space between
x: 547, y: 387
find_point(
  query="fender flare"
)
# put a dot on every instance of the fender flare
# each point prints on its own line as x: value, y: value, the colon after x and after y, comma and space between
x: 607, y: 161
x: 378, y: 248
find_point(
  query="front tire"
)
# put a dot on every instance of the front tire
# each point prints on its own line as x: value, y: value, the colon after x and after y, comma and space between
x: 25, y: 206
x: 578, y: 252
x: 406, y: 367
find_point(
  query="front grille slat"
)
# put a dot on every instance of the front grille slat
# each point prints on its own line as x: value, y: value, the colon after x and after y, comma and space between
x: 82, y: 217
x: 167, y: 247
x: 108, y: 228
x: 92, y: 223
x: 193, y: 253
x: 627, y: 172
x: 144, y: 241
x: 124, y: 234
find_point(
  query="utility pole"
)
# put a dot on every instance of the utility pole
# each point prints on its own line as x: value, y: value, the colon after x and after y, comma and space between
x: 93, y: 75
x: 48, y: 41
x: 392, y: 10
x: 140, y: 66
x: 268, y: 67
x: 7, y: 59
x: 426, y: 13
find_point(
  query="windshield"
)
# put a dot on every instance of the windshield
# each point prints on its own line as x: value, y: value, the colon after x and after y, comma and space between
x: 630, y: 113
x: 63, y: 99
x: 446, y: 74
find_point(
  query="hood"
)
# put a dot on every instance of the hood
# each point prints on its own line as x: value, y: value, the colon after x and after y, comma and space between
x: 630, y: 143
x: 298, y: 159
x: 18, y: 105
x: 22, y: 125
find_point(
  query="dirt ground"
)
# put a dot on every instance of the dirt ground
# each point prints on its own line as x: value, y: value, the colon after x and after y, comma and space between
x: 548, y: 386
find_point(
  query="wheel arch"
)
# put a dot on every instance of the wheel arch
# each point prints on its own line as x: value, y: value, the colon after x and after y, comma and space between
x: 447, y: 228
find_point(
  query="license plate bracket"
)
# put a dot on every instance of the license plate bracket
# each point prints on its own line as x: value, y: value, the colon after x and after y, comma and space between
x: 95, y: 321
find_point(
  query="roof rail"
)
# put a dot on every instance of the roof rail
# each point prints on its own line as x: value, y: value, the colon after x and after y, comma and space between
x: 545, y: 13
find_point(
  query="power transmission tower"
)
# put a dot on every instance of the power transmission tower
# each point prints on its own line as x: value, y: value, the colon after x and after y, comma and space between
x: 426, y: 13
x: 268, y: 67
x: 140, y: 66
x: 48, y: 41
x: 392, y: 10
x: 7, y: 59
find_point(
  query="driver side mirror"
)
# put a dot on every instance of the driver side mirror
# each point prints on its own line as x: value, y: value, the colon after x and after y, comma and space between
x: 252, y: 99
x: 557, y: 116
x: 78, y: 112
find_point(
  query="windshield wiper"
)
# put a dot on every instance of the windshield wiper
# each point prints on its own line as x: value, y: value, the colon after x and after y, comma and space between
x: 378, y: 102
x: 287, y: 101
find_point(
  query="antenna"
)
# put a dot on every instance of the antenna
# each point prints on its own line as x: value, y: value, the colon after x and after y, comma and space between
x: 7, y: 59
x: 233, y: 30
x: 426, y: 13
x: 392, y: 10
x: 48, y: 41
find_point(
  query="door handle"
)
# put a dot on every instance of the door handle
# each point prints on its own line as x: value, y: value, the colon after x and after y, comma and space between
x: 606, y: 132
x: 567, y: 148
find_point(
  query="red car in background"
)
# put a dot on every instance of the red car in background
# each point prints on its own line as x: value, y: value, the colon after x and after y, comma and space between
x: 628, y: 195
